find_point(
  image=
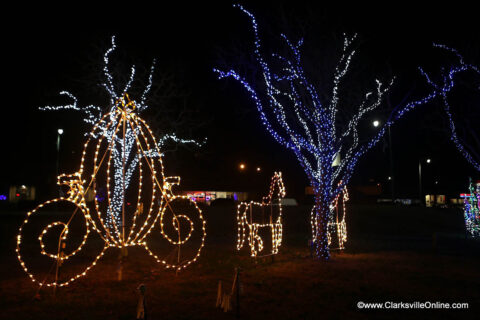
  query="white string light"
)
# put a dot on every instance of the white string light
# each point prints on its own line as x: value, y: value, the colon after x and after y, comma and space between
x: 94, y: 114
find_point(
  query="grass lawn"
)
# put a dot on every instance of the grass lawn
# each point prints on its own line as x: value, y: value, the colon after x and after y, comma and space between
x: 399, y: 254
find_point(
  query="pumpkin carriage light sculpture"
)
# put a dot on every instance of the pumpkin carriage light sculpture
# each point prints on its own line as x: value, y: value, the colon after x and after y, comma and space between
x: 248, y: 223
x: 122, y: 158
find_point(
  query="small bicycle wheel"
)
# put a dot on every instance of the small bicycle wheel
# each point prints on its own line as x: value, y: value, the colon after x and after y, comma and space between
x: 182, y: 233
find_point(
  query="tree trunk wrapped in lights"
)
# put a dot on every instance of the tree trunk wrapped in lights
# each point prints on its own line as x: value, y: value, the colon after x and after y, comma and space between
x: 299, y: 118
x: 337, y: 224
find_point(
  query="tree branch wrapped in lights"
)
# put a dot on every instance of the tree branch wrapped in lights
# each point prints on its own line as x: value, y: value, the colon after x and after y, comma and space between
x: 444, y: 84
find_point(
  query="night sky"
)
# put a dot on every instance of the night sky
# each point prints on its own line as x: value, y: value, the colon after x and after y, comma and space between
x: 53, y: 49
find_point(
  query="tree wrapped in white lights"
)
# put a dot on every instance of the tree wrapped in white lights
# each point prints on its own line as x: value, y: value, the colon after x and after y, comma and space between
x: 298, y: 117
x: 93, y: 114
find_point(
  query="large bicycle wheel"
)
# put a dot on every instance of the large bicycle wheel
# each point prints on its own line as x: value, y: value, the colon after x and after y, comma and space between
x: 51, y: 243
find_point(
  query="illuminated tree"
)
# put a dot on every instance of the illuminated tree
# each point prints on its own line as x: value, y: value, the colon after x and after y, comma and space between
x: 462, y: 131
x: 176, y: 112
x: 303, y: 120
x: 125, y: 160
x: 467, y: 143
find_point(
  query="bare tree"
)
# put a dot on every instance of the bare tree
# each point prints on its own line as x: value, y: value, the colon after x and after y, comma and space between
x: 462, y: 126
x: 123, y: 152
x: 175, y: 117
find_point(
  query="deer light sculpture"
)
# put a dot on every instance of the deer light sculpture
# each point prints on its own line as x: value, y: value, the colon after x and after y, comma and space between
x: 250, y: 223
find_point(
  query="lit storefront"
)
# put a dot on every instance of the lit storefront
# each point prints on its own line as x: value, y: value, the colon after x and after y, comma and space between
x: 209, y: 196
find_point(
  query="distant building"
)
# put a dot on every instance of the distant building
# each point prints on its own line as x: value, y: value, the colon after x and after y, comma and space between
x: 432, y: 200
x: 22, y: 192
x: 208, y: 196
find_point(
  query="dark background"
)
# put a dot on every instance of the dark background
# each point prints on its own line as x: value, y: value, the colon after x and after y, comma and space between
x: 50, y: 49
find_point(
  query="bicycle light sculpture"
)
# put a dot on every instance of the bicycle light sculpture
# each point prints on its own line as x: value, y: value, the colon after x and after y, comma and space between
x: 120, y: 145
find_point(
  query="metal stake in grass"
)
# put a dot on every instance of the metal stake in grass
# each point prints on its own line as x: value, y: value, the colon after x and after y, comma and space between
x: 237, y: 278
x: 60, y: 254
x: 219, y: 295
x: 141, y: 306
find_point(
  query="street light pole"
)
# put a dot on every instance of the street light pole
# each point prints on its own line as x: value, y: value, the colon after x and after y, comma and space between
x: 59, y: 133
x: 420, y: 193
x: 392, y: 181
x: 376, y: 123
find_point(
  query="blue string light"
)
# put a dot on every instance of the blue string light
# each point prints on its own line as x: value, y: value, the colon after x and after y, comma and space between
x: 296, y: 117
x: 444, y: 86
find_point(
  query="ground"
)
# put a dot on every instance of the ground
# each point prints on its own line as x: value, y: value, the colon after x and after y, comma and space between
x: 399, y: 254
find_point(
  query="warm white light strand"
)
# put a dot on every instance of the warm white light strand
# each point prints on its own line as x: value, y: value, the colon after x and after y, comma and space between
x: 247, y: 225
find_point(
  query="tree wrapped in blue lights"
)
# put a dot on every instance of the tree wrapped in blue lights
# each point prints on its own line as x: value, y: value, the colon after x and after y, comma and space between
x: 299, y: 118
x: 444, y: 85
